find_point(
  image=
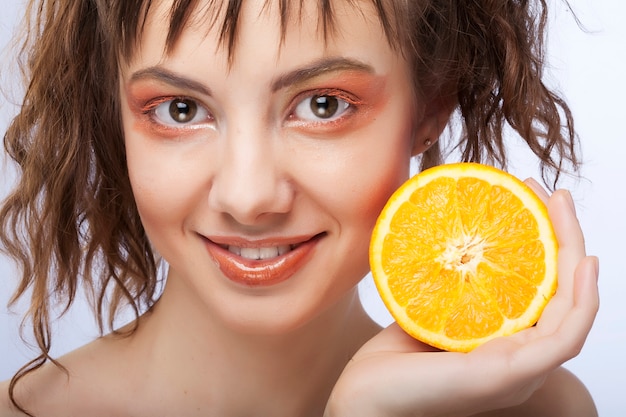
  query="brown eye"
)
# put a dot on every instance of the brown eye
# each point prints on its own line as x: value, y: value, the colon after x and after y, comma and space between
x: 179, y: 113
x: 182, y: 110
x: 324, y: 106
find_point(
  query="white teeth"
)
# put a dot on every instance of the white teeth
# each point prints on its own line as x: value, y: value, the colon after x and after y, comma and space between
x: 268, y: 253
x: 260, y: 253
x: 250, y: 253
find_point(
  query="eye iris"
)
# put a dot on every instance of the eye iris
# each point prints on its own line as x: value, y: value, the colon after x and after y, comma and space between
x: 183, y: 110
x: 324, y: 106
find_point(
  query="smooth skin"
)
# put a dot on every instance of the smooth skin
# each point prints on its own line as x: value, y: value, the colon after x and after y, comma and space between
x: 254, y: 168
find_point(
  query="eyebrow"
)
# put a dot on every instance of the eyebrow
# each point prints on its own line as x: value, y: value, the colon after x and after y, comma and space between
x: 169, y: 77
x: 322, y: 66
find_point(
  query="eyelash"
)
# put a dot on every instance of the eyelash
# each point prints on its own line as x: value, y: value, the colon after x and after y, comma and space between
x: 150, y: 109
x: 352, y: 103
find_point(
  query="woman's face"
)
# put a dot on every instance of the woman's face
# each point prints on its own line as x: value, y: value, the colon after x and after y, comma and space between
x: 259, y: 182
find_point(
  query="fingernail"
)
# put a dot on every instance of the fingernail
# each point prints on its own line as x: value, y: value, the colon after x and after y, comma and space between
x: 570, y: 201
x: 596, y: 265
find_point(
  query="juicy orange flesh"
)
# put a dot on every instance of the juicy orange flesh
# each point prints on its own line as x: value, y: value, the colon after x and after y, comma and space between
x: 469, y: 234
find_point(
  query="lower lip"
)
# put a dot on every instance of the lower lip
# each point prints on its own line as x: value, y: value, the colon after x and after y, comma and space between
x: 264, y: 272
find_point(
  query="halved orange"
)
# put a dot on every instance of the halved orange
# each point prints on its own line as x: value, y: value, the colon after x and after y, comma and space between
x: 463, y: 253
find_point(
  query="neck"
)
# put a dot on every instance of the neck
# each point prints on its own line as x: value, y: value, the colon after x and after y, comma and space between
x: 227, y: 371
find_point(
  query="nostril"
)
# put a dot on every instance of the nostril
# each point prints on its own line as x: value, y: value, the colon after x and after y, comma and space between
x: 248, y: 201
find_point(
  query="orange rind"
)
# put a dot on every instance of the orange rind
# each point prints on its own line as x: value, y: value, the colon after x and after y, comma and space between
x: 463, y: 253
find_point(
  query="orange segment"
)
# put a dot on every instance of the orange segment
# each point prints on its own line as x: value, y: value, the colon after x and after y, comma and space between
x: 463, y: 253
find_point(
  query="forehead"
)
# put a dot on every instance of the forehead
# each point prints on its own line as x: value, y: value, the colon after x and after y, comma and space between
x: 322, y: 19
x: 262, y: 40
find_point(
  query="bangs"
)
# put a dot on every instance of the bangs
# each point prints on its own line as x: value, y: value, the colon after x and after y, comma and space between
x: 131, y: 17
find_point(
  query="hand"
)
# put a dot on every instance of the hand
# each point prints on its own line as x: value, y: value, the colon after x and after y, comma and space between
x: 395, y: 375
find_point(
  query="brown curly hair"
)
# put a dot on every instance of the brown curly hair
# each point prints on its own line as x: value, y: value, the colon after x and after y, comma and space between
x: 71, y: 221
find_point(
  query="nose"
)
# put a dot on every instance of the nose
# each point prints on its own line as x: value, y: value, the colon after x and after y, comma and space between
x: 250, y: 184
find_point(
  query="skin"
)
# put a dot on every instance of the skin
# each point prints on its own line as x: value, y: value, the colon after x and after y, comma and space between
x: 254, y: 169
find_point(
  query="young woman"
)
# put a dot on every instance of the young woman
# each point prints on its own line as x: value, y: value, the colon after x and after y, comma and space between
x: 245, y: 149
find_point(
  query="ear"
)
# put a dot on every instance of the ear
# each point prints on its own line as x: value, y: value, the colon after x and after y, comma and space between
x: 435, y: 118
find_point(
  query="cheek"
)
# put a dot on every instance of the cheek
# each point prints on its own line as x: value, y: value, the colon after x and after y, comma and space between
x: 163, y: 194
x: 151, y: 196
x: 354, y: 186
x: 371, y: 173
x: 369, y: 190
x: 355, y: 199
x: 162, y: 180
x: 164, y: 197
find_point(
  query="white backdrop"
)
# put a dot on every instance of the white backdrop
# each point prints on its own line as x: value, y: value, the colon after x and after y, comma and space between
x: 588, y: 68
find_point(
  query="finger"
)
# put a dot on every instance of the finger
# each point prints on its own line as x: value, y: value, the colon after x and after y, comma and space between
x: 393, y: 339
x: 551, y: 350
x: 569, y: 237
x: 538, y: 189
x: 571, y: 252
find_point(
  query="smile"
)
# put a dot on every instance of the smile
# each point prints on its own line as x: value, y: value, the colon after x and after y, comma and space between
x: 261, y: 264
x: 259, y: 253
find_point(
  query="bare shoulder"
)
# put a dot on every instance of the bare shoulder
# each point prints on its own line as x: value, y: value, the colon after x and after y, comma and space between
x: 7, y: 409
x: 80, y: 379
x: 563, y: 394
x: 33, y: 392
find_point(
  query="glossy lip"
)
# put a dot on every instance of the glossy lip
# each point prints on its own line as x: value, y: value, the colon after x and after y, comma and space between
x: 263, y: 272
